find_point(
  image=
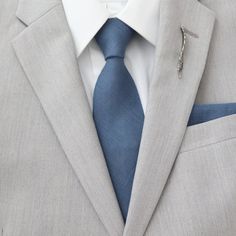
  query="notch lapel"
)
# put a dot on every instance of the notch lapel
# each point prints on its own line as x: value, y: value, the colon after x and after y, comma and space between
x: 170, y: 103
x: 46, y: 52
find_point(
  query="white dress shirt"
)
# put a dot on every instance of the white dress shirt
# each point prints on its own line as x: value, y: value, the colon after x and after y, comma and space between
x: 86, y: 17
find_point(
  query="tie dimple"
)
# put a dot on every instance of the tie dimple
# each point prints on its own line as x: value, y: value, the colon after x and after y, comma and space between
x: 114, y: 37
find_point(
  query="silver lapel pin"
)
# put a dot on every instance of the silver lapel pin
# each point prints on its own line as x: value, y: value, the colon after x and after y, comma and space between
x: 180, y: 64
x: 184, y: 33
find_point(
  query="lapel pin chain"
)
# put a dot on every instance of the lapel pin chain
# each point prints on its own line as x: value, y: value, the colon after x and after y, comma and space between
x: 180, y: 64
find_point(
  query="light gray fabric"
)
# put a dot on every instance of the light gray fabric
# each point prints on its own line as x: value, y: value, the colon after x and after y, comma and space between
x: 199, y: 197
x: 53, y: 177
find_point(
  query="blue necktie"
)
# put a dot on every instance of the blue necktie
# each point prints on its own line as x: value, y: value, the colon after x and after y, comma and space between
x: 117, y: 110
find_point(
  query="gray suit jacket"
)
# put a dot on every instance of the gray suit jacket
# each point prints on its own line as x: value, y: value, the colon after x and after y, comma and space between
x: 53, y: 177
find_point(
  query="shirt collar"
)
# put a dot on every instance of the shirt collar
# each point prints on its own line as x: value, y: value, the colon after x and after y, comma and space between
x: 86, y: 17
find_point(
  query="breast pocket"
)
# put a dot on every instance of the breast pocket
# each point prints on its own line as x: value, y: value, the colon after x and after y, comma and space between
x: 202, y: 185
x: 207, y: 162
x: 209, y: 133
x: 199, y: 196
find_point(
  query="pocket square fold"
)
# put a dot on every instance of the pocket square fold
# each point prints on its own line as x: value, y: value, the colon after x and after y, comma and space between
x: 205, y: 112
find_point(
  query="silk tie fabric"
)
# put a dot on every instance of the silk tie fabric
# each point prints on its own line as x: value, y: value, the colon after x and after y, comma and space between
x: 117, y: 110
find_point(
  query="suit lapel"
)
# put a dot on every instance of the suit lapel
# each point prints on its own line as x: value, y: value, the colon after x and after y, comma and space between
x: 170, y: 103
x: 46, y: 52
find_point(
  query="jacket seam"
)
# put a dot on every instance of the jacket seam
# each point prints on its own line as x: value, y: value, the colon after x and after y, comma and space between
x: 207, y: 145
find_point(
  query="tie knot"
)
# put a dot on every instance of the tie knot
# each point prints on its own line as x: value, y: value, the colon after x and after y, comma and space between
x: 113, y: 38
